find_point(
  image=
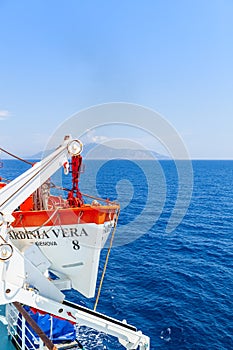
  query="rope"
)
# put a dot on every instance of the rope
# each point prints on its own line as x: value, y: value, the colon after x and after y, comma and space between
x: 14, y: 156
x: 106, y: 260
x: 32, y: 177
x: 37, y: 228
x: 100, y: 199
x: 85, y: 195
x: 79, y: 344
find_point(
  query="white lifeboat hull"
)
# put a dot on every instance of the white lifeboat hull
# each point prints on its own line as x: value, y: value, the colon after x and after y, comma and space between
x: 71, y: 239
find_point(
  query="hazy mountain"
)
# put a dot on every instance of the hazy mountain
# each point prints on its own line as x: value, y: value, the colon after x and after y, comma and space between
x: 99, y: 151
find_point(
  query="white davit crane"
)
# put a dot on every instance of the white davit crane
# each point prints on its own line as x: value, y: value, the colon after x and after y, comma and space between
x: 21, y: 279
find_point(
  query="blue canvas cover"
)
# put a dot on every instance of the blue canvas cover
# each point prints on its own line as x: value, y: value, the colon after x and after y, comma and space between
x: 56, y: 329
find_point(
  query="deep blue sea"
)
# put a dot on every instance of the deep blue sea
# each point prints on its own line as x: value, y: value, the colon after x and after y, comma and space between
x: 176, y: 287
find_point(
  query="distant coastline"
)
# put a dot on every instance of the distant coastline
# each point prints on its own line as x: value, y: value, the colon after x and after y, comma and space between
x: 99, y: 151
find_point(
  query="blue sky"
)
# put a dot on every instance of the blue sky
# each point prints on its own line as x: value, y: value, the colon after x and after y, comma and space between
x: 174, y: 56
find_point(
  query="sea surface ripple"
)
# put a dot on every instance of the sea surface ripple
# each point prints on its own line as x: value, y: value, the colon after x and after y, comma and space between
x: 176, y: 287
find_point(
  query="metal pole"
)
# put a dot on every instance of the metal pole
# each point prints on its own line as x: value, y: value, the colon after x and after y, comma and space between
x: 23, y: 333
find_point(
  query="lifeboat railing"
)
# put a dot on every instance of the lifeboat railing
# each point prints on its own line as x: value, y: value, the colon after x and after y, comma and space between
x: 95, y: 198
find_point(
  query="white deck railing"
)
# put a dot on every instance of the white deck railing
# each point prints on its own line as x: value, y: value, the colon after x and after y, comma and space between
x: 23, y: 338
x: 20, y: 334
